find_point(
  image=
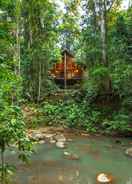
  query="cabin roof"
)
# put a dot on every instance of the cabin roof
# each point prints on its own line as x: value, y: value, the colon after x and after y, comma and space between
x: 67, y: 52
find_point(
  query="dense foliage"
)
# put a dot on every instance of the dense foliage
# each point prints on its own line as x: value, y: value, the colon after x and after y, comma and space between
x: 12, y: 127
x: 84, y: 114
x: 32, y: 36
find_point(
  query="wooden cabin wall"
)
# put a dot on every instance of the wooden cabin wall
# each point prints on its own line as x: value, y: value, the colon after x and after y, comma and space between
x: 73, y: 70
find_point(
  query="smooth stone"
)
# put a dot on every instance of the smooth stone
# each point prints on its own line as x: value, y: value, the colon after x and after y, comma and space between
x: 61, y: 178
x: 41, y: 142
x: 60, y: 145
x: 103, y: 178
x: 37, y: 136
x: 69, y: 140
x: 48, y: 136
x: 71, y: 156
x: 52, y: 141
x: 66, y: 153
x: 74, y: 157
x: 129, y: 152
x: 60, y: 138
x: 77, y: 173
x: 85, y: 134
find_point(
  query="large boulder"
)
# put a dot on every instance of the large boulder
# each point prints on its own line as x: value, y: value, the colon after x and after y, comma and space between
x: 129, y: 152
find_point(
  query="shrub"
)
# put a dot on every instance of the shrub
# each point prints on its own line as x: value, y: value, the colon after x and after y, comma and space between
x: 119, y: 123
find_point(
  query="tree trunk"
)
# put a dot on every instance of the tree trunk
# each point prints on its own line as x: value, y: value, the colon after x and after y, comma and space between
x: 130, y: 4
x: 95, y: 15
x: 18, y: 50
x: 2, y: 163
x: 103, y: 27
x: 95, y: 27
x: 39, y: 83
x: 17, y: 55
x: 2, y: 168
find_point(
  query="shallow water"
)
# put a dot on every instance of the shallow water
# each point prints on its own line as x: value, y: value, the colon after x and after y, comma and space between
x: 97, y: 155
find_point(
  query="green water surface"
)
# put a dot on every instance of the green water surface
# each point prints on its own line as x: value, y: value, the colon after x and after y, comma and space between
x: 97, y: 155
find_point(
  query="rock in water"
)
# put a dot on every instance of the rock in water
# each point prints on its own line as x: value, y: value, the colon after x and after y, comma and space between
x: 37, y: 136
x: 60, y: 144
x: 60, y: 138
x: 48, y: 136
x: 41, y: 142
x: 69, y: 140
x: 103, y: 178
x: 61, y: 178
x: 52, y: 141
x: 71, y: 156
x: 129, y: 152
x: 66, y: 153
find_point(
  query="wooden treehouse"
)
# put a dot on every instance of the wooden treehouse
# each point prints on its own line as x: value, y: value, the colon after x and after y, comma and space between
x: 66, y: 71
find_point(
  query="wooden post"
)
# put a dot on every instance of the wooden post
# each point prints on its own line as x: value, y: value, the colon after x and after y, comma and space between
x: 65, y: 71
